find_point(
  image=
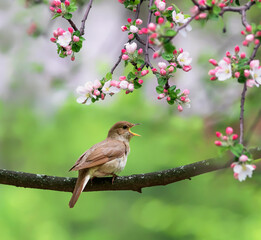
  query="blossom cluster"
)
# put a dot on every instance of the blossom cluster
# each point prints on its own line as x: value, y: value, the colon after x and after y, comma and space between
x: 242, y: 165
x: 68, y: 42
x: 63, y: 9
x: 252, y: 35
x: 236, y: 66
x: 130, y: 53
x: 132, y: 27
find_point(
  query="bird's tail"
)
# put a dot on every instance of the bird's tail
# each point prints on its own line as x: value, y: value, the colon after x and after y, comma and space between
x: 82, y: 180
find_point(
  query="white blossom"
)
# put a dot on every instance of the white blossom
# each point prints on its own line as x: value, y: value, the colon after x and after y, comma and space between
x: 108, y: 89
x: 178, y: 18
x: 124, y: 84
x: 224, y: 71
x: 133, y: 29
x: 242, y: 171
x: 131, y: 48
x: 184, y: 59
x: 86, y: 92
x: 65, y: 39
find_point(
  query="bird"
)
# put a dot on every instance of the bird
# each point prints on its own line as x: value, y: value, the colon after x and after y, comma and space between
x: 105, y: 158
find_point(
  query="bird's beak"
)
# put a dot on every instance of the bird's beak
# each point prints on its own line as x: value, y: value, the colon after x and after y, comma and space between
x: 135, y: 134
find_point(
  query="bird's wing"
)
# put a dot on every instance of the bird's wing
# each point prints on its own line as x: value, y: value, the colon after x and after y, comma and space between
x: 100, y: 153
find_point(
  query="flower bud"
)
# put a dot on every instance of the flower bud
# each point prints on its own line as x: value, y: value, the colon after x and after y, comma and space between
x: 180, y: 108
x: 67, y: 3
x: 133, y: 29
x: 229, y: 130
x: 157, y: 13
x: 235, y: 137
x: 125, y: 57
x: 96, y: 92
x: 140, y: 81
x: 97, y: 84
x: 246, y: 73
x: 213, y: 62
x: 162, y: 65
x: 163, y: 72
x: 237, y: 49
x: 130, y: 36
x: 162, y: 95
x: 249, y: 28
x: 140, y: 51
x: 187, y: 68
x: 76, y: 38
x: 121, y: 78
x: 131, y: 87
x: 59, y: 10
x: 152, y: 27
x: 228, y: 54
x: 129, y: 20
x: 160, y: 20
x: 53, y: 40
x: 171, y: 69
x: 243, y: 55
x: 138, y: 21
x: 124, y: 84
x: 250, y: 37
x: 218, y: 134
x: 186, y: 92
x: 243, y: 158
x: 168, y: 98
x: 70, y: 29
x: 218, y: 143
x: 237, y: 74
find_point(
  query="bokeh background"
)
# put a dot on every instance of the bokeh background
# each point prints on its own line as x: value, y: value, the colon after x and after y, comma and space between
x: 43, y: 130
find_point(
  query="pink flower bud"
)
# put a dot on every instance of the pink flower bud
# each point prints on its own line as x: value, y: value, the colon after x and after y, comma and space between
x: 228, y: 54
x: 237, y: 49
x: 96, y: 92
x: 70, y: 29
x: 224, y: 138
x: 144, y: 30
x: 114, y: 83
x: 157, y: 13
x: 154, y: 35
x: 165, y: 90
x: 127, y: 92
x: 140, y: 81
x: 155, y: 55
x: 254, y: 166
x: 140, y: 32
x: 218, y: 143
x: 243, y: 55
x: 170, y: 8
x: 256, y: 42
x: 140, y: 51
x: 102, y: 96
x: 72, y: 58
x: 213, y: 78
x: 138, y: 21
x: 229, y: 130
x: 67, y: 3
x: 160, y: 20
x: 171, y: 69
x: 203, y: 15
x: 232, y: 165
x: 213, y: 62
x: 129, y: 20
x: 123, y: 50
x: 243, y: 158
x: 221, y: 5
x: 237, y: 74
x: 162, y: 95
x: 249, y: 28
x: 235, y: 137
x: 53, y: 40
x: 76, y: 38
x: 180, y: 108
x: 182, y: 99
x: 246, y: 73
x: 250, y: 83
x: 258, y: 34
x: 180, y: 50
x: 212, y: 72
x: 144, y: 72
x: 52, y: 9
x: 59, y: 10
x: 245, y: 43
x: 162, y: 65
x: 130, y: 36
x: 187, y: 68
x: 250, y: 37
x: 125, y: 57
x: 186, y: 92
x: 168, y: 98
x: 236, y: 175
x: 69, y: 52
x: 152, y: 27
x: 163, y: 72
x: 227, y: 60
x: 122, y: 78
x: 131, y: 87
x: 218, y: 134
x: 123, y: 28
x: 124, y: 84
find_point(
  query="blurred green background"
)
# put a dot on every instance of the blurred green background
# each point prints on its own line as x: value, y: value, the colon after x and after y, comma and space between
x: 35, y: 137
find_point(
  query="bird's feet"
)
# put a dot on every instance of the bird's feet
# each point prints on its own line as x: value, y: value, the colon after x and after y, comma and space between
x: 113, y: 177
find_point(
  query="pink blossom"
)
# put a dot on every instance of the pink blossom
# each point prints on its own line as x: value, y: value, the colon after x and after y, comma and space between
x: 154, y: 70
x: 59, y: 10
x: 254, y: 64
x: 152, y: 27
x: 123, y: 28
x: 60, y: 31
x: 161, y: 6
x: 129, y: 20
x: 163, y: 72
x: 131, y: 87
x: 97, y: 84
x: 121, y: 78
x: 144, y: 30
x: 171, y: 69
x: 246, y: 73
x: 256, y: 41
x: 218, y: 143
x: 237, y: 74
x: 53, y: 40
x: 187, y: 68
x: 225, y: 138
x: 155, y: 55
x: 133, y: 29
x: 144, y: 72
x: 202, y: 2
x: 67, y: 3
x: 157, y: 13
x: 229, y: 130
x: 168, y: 98
x: 162, y: 95
x: 124, y: 84
x: 76, y: 38
x: 69, y: 52
x: 237, y: 49
x: 203, y: 15
x: 227, y: 60
x: 243, y: 158
x: 125, y: 57
x: 250, y: 83
x: 245, y: 43
x: 212, y: 72
x: 162, y: 65
x: 138, y: 21
x: 180, y: 108
x: 52, y: 9
x: 96, y: 92
x: 130, y: 36
x: 72, y: 58
x: 228, y: 54
x: 186, y: 92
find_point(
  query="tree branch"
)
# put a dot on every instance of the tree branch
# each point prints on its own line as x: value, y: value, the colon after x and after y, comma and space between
x: 132, y: 182
x: 85, y: 17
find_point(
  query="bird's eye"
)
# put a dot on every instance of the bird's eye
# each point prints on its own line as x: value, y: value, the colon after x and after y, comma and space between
x: 125, y: 127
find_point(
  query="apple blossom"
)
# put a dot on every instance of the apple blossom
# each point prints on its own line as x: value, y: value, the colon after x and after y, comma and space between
x: 131, y: 87
x: 224, y: 71
x: 162, y: 65
x: 250, y: 37
x: 152, y: 27
x: 76, y: 38
x: 243, y: 158
x: 65, y: 39
x: 133, y: 29
x: 161, y: 6
x: 108, y: 89
x: 184, y: 59
x: 130, y: 48
x: 125, y: 57
x: 178, y: 18
x: 86, y: 92
x: 187, y: 68
x: 242, y: 171
x: 97, y: 84
x: 124, y: 84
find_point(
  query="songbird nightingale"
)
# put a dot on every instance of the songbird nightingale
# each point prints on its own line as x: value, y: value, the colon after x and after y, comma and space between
x: 104, y: 158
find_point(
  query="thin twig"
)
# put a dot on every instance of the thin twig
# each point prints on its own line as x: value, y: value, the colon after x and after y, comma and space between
x: 85, y: 17
x: 243, y: 96
x: 73, y: 25
x: 117, y: 63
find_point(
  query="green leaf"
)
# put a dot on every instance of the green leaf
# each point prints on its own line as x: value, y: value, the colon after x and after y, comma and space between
x: 131, y: 75
x: 237, y: 149
x: 216, y: 9
x: 169, y: 48
x: 237, y: 2
x: 170, y: 33
x: 71, y: 8
x: 56, y: 15
x: 140, y: 61
x: 162, y: 81
x: 159, y: 89
x: 172, y: 88
x: 77, y: 33
x: 136, y: 85
x: 76, y: 47
x: 67, y: 16
x: 167, y: 56
x: 109, y: 76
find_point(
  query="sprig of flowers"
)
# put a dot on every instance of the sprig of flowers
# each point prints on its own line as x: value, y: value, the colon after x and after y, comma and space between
x: 63, y: 9
x: 243, y: 166
x: 68, y: 42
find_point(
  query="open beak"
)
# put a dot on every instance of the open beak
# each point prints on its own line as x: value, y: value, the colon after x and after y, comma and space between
x: 135, y: 134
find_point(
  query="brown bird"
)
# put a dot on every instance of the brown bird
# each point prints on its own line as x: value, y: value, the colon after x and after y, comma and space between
x: 104, y: 158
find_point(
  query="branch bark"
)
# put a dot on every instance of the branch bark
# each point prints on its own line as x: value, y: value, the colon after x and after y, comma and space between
x: 132, y: 182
